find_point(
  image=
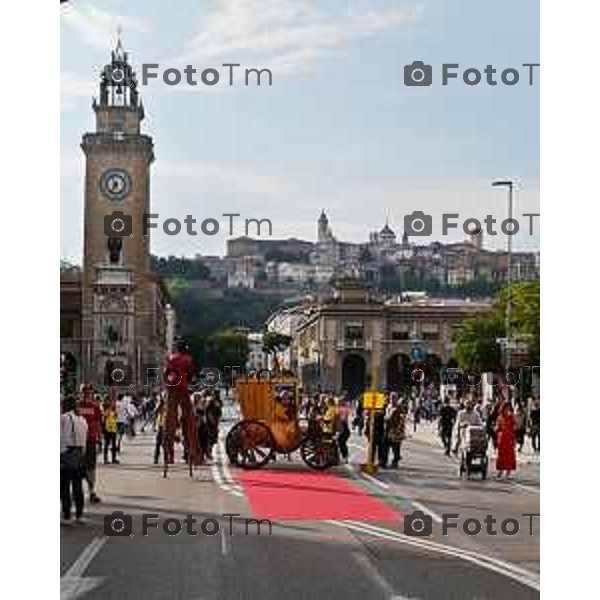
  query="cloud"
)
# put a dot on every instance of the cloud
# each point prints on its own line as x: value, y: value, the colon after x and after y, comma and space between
x: 287, y: 35
x: 232, y: 176
x: 73, y: 88
x: 96, y: 27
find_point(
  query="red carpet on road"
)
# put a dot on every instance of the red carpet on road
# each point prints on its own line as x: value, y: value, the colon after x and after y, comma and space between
x: 310, y: 496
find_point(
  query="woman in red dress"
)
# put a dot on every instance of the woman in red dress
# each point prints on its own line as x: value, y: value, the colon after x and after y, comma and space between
x: 506, y: 428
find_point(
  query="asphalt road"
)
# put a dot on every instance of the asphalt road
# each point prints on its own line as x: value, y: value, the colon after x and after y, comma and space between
x: 308, y: 558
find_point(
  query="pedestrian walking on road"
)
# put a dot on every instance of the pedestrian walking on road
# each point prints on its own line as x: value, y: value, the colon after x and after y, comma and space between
x: 506, y: 429
x: 521, y: 425
x: 214, y: 411
x: 122, y: 418
x: 89, y: 409
x: 358, y: 423
x: 467, y: 416
x: 110, y: 429
x: 343, y: 428
x: 534, y: 425
x: 379, y: 441
x: 200, y: 414
x: 73, y: 439
x: 396, y: 427
x: 446, y: 424
x: 148, y: 411
x: 416, y: 414
x: 490, y: 424
x: 159, y: 425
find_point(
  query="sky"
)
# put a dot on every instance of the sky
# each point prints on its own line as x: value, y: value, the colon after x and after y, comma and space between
x: 337, y: 129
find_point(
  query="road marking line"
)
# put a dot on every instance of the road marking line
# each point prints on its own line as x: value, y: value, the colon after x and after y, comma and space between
x: 85, y: 558
x: 233, y: 487
x: 528, y: 488
x: 372, y: 572
x: 509, y: 570
x: 223, y: 543
x: 428, y: 511
x: 382, y: 484
x: 217, y: 477
x: 453, y: 550
x: 437, y: 546
x: 72, y: 583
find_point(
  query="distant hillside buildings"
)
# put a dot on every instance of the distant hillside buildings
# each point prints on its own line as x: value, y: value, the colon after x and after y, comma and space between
x: 294, y: 263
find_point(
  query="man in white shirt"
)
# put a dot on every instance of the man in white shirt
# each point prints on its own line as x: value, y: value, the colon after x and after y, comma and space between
x: 73, y: 434
x: 122, y: 417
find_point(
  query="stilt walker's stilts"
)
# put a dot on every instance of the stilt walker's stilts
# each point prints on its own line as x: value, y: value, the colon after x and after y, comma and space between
x: 164, y: 449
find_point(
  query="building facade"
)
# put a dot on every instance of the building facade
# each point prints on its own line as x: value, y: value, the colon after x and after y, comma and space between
x: 309, y: 265
x: 354, y: 340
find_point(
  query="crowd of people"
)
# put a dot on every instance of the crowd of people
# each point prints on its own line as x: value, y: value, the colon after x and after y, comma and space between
x: 339, y: 418
x: 92, y: 424
x: 507, y: 423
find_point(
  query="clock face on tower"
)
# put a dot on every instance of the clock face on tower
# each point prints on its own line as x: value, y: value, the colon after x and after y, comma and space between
x: 115, y: 184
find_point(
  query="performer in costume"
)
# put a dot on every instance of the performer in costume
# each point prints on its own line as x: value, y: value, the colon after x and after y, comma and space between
x: 179, y: 371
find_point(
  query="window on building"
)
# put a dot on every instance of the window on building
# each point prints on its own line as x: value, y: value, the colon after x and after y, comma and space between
x: 354, y: 331
x: 67, y: 328
x: 430, y: 335
x: 400, y: 334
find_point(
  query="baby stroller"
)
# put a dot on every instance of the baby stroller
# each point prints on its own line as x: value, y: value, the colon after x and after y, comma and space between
x: 473, y: 455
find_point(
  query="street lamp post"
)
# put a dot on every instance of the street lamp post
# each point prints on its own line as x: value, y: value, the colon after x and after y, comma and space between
x: 318, y: 353
x: 508, y: 183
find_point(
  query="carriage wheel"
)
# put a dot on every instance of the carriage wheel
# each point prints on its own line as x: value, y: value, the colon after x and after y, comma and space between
x: 230, y: 440
x: 318, y: 452
x: 249, y: 444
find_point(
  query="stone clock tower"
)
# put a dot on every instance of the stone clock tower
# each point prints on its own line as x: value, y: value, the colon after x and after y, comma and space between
x: 119, y: 294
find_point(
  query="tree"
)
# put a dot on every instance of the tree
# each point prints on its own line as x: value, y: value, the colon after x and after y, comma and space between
x: 231, y: 349
x: 226, y: 350
x: 176, y: 287
x: 525, y: 315
x: 477, y: 348
x: 275, y: 342
x: 179, y: 267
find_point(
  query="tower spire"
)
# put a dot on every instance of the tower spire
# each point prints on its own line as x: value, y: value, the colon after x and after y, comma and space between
x: 118, y: 82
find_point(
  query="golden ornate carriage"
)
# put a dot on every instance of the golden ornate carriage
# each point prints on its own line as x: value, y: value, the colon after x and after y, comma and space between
x: 271, y: 425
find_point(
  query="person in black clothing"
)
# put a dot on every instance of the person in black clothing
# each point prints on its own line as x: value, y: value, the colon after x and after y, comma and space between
x: 380, y: 444
x: 521, y: 418
x: 200, y: 414
x: 73, y: 437
x: 358, y: 422
x: 213, y: 417
x: 534, y: 425
x: 446, y: 424
x: 491, y: 422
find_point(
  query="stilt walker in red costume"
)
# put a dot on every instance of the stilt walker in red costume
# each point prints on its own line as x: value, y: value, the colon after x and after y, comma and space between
x: 179, y: 371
